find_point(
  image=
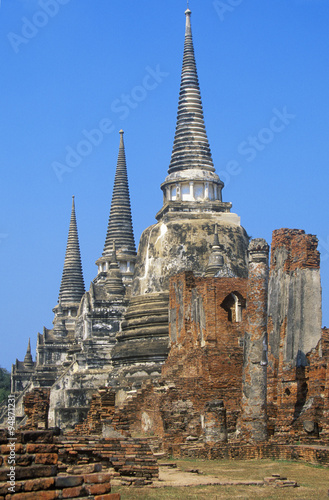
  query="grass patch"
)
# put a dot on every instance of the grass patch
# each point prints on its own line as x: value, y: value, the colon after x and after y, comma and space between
x: 313, y: 482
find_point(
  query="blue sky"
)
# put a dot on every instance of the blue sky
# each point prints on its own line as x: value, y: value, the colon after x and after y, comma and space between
x: 69, y: 67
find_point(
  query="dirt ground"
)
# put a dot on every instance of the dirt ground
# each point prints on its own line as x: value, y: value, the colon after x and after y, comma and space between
x: 175, y: 477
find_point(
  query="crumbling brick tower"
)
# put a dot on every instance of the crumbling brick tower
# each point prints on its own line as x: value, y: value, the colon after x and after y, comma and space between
x: 295, y: 336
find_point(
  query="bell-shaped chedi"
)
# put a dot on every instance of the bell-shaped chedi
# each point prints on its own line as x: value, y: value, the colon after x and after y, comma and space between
x: 183, y: 237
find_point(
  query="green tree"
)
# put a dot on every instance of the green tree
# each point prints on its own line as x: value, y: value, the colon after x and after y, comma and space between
x: 4, y: 384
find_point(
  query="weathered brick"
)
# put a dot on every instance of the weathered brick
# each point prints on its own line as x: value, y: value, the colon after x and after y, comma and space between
x: 84, y: 469
x: 41, y: 448
x: 4, y: 487
x: 98, y: 489
x: 36, y: 407
x: 68, y: 481
x: 46, y: 458
x: 42, y: 495
x: 97, y: 478
x: 37, y: 436
x: 24, y: 460
x: 3, y: 436
x: 30, y: 472
x: 39, y: 484
x: 5, y: 449
x: 73, y: 492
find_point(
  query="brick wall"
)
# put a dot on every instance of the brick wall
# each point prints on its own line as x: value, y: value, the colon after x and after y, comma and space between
x: 234, y: 451
x: 36, y: 408
x: 126, y: 456
x: 102, y: 407
x: 301, y: 250
x: 298, y: 350
x: 204, y: 365
x: 36, y: 471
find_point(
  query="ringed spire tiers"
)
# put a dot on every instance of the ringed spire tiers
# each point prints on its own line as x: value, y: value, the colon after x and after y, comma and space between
x: 192, y: 183
x: 72, y: 285
x: 120, y: 228
x: 191, y: 147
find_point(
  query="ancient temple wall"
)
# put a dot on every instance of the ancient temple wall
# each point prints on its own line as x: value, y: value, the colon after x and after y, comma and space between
x: 294, y: 295
x: 206, y: 327
x: 71, y: 394
x: 201, y: 378
x: 183, y: 242
x: 297, y: 360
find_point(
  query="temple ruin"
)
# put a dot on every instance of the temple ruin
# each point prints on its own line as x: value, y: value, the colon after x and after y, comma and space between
x: 197, y: 342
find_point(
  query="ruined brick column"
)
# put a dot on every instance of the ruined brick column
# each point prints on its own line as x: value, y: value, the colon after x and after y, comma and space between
x: 253, y: 420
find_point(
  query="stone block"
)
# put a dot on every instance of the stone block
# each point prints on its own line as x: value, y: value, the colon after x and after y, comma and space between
x: 84, y: 469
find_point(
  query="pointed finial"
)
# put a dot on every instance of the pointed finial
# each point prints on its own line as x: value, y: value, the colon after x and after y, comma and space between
x: 188, y: 12
x: 28, y: 360
x: 121, y: 132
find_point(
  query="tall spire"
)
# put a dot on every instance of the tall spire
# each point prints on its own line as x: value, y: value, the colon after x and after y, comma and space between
x: 192, y: 184
x: 191, y: 147
x: 120, y: 228
x: 72, y: 285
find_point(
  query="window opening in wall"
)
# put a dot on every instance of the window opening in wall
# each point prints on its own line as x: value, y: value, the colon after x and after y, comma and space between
x: 234, y: 304
x: 198, y: 191
x: 186, y: 192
